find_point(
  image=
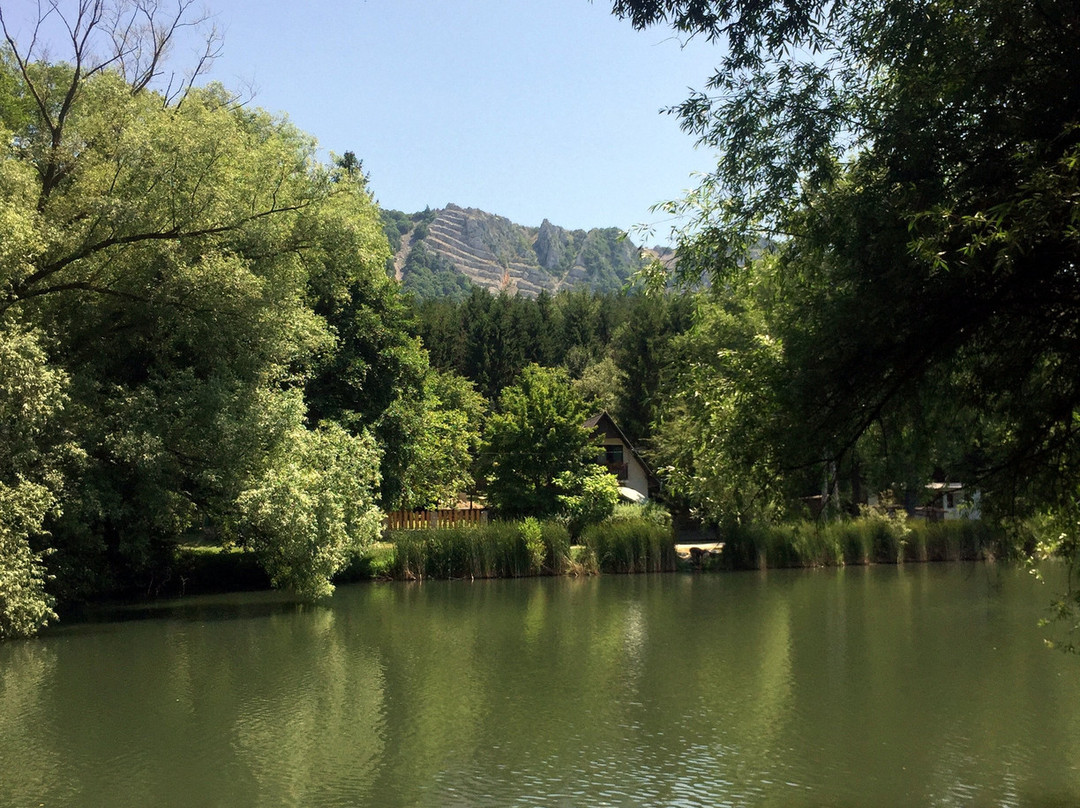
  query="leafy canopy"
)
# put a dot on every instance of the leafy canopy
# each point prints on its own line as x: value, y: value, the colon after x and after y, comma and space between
x: 179, y: 267
x: 537, y: 435
x: 914, y: 166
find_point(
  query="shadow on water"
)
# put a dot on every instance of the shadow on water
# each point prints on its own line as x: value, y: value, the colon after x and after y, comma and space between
x: 196, y: 609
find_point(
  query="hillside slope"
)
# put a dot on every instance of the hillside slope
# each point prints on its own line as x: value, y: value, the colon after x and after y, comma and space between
x: 441, y: 253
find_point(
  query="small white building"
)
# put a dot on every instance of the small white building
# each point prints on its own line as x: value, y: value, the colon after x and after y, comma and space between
x: 952, y: 501
x: 636, y: 481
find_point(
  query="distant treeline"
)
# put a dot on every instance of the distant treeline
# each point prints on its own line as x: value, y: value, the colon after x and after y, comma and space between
x: 616, y: 346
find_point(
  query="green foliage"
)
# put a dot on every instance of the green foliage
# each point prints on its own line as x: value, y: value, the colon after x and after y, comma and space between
x: 589, y: 496
x: 377, y: 377
x: 431, y: 276
x: 395, y: 225
x: 537, y: 435
x: 643, y: 349
x: 164, y: 274
x: 25, y: 605
x: 630, y: 546
x: 533, y: 536
x: 601, y: 384
x: 188, y: 269
x: 447, y: 443
x: 716, y: 433
x: 924, y: 224
x: 872, y: 538
x: 313, y: 508
x: 617, y: 347
x: 495, y: 550
x: 496, y: 340
x: 650, y: 511
x: 1056, y: 535
x: 33, y: 445
x: 609, y: 258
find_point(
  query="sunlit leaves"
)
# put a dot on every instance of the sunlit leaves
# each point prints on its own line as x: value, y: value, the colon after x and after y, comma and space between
x: 32, y: 446
x: 537, y: 434
x: 313, y: 508
x: 183, y: 263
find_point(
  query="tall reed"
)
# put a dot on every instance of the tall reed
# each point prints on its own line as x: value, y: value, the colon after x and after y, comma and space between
x: 862, y: 540
x: 636, y: 544
x: 495, y: 550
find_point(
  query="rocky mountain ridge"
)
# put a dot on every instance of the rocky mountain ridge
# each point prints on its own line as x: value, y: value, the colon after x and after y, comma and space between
x: 444, y: 252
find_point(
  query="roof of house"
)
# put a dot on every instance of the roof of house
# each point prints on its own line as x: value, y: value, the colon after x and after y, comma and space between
x: 604, y: 418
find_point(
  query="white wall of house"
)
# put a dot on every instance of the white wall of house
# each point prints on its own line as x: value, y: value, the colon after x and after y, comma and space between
x: 635, y: 476
x: 960, y: 504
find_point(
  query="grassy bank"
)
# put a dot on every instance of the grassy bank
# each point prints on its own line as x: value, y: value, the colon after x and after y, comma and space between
x: 867, y: 540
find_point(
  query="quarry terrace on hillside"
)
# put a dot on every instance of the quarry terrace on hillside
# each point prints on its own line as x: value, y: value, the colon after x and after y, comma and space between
x: 438, y: 251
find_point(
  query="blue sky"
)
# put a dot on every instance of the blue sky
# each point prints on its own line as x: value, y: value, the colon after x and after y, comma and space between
x: 530, y: 109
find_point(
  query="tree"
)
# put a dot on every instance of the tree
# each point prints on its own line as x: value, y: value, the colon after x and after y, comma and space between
x: 167, y: 249
x: 601, y: 384
x: 589, y: 496
x: 537, y: 435
x: 496, y: 348
x: 374, y: 375
x: 449, y: 443
x: 33, y: 445
x: 916, y: 166
x: 719, y: 430
x: 313, y: 509
x: 642, y: 349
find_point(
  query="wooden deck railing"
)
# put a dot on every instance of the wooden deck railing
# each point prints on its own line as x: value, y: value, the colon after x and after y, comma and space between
x: 436, y: 518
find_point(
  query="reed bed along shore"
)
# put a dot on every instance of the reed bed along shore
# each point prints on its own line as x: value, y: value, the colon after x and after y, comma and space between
x: 633, y: 541
x: 867, y: 540
x: 525, y: 548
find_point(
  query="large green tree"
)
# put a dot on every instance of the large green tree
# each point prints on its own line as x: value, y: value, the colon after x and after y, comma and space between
x: 915, y: 166
x: 172, y: 255
x: 537, y: 447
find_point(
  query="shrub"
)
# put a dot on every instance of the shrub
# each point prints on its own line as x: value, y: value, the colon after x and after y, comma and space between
x: 533, y: 536
x: 589, y: 496
x: 649, y: 511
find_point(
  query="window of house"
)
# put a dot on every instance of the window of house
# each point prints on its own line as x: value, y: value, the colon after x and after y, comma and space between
x: 613, y: 454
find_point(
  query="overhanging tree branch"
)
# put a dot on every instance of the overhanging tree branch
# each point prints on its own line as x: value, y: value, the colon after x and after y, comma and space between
x: 25, y: 288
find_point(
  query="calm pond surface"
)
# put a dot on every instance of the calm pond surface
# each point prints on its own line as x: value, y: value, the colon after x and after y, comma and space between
x: 925, y: 685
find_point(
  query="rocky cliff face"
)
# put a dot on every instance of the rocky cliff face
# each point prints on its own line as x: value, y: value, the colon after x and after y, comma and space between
x: 492, y: 252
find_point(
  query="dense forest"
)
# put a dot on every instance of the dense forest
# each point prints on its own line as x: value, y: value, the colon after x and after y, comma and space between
x: 201, y: 344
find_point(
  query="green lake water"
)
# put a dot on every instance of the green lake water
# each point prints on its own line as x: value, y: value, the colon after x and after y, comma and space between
x: 924, y: 685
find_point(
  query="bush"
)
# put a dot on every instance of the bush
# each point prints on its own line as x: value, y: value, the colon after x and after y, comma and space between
x: 533, y: 536
x: 313, y: 510
x: 24, y: 604
x: 649, y: 511
x: 590, y: 496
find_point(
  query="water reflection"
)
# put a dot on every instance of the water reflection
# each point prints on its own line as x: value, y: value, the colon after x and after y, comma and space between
x: 923, y: 685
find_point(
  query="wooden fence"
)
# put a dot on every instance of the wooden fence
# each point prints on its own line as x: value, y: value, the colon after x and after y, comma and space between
x: 440, y: 517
